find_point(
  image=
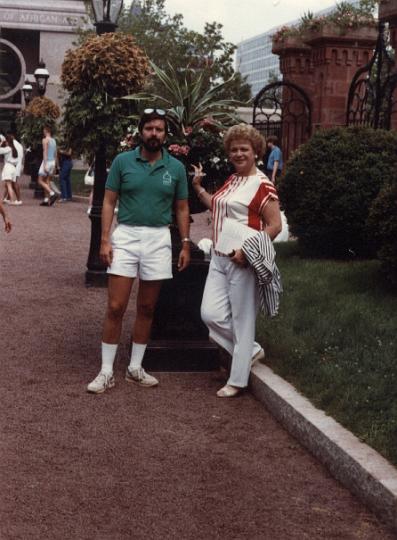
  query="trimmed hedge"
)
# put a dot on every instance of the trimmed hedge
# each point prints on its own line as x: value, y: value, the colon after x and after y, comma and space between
x: 331, y: 183
x: 383, y: 220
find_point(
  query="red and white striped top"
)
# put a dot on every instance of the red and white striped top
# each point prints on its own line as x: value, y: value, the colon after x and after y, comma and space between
x: 242, y: 198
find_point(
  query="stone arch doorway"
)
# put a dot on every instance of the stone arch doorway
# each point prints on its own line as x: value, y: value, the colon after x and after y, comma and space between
x: 283, y: 109
x: 12, y: 77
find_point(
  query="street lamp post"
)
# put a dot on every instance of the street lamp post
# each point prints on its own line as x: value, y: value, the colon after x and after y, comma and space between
x: 106, y: 13
x: 27, y: 90
x: 41, y: 75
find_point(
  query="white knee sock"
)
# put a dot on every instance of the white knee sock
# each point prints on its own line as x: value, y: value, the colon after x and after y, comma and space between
x: 138, y: 350
x: 108, y: 355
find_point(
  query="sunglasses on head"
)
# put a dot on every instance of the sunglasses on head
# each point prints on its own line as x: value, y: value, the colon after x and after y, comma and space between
x: 160, y: 112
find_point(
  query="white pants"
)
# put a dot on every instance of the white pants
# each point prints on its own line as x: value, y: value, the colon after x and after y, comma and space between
x: 229, y: 308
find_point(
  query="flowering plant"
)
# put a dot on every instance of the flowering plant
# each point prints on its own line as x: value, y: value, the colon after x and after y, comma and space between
x: 202, y: 144
x: 285, y: 32
x: 344, y: 17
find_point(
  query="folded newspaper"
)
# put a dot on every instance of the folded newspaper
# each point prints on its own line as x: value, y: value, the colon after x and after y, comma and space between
x: 232, y: 236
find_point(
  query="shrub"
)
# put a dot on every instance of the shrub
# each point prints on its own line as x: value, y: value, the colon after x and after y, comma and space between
x: 383, y: 222
x: 40, y: 112
x: 330, y: 185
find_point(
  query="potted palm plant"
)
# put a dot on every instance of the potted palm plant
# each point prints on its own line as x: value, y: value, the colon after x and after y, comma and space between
x: 197, y: 117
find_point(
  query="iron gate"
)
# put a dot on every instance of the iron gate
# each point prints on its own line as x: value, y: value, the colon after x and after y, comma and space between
x: 372, y: 100
x: 283, y: 109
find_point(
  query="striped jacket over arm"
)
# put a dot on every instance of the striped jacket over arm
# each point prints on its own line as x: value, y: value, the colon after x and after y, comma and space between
x: 260, y: 254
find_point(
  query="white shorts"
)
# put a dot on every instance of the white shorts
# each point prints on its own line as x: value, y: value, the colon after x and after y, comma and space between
x: 50, y: 168
x: 9, y: 172
x: 141, y: 251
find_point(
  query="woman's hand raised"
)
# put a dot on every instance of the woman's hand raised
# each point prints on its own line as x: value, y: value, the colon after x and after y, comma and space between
x: 198, y: 175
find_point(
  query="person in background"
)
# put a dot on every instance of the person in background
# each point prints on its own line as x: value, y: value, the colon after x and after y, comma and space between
x: 65, y: 168
x: 274, y: 164
x: 47, y: 167
x: 7, y: 222
x: 19, y: 167
x: 231, y: 295
x: 8, y: 175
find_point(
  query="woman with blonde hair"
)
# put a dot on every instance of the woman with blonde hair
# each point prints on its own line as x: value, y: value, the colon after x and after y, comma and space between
x: 231, y: 296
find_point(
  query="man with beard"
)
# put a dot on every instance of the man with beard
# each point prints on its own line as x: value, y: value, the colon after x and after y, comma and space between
x: 147, y: 182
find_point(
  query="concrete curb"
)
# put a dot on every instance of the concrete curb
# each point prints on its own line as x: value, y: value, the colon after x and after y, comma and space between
x: 362, y: 470
x: 79, y: 198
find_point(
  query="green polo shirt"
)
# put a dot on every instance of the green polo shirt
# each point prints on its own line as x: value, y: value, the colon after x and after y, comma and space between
x: 146, y: 192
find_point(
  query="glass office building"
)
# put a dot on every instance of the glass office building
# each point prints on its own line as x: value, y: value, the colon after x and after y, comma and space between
x: 254, y: 60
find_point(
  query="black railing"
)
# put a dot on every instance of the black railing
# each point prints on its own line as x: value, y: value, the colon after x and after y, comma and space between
x: 372, y: 100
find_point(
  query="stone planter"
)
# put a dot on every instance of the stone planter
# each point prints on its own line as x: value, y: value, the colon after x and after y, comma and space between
x: 291, y: 43
x: 365, y: 35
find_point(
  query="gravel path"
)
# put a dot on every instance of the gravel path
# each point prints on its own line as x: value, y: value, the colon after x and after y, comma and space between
x: 170, y: 462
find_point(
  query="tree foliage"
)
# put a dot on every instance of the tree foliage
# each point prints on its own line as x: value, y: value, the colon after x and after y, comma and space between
x: 166, y: 40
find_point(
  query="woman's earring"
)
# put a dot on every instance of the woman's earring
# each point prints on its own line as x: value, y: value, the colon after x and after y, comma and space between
x: 256, y: 157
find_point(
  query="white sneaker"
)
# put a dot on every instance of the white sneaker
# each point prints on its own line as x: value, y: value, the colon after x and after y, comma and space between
x: 260, y: 355
x: 140, y: 376
x: 102, y: 382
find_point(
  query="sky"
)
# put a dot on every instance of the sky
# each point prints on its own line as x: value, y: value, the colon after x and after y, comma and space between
x: 243, y: 19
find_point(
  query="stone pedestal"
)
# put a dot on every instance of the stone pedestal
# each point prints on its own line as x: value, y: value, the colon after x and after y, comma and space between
x: 336, y: 58
x: 179, y: 338
x: 295, y: 61
x: 323, y: 65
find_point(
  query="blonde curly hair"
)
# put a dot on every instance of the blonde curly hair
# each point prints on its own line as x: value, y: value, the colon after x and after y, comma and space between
x: 247, y: 133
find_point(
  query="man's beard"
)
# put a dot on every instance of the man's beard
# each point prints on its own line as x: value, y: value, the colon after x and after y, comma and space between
x: 152, y: 145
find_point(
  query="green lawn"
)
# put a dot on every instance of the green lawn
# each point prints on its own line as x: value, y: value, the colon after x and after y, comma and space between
x: 336, y: 340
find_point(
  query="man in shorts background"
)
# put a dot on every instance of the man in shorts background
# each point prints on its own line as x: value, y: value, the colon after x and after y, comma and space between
x: 147, y: 182
x: 47, y: 167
